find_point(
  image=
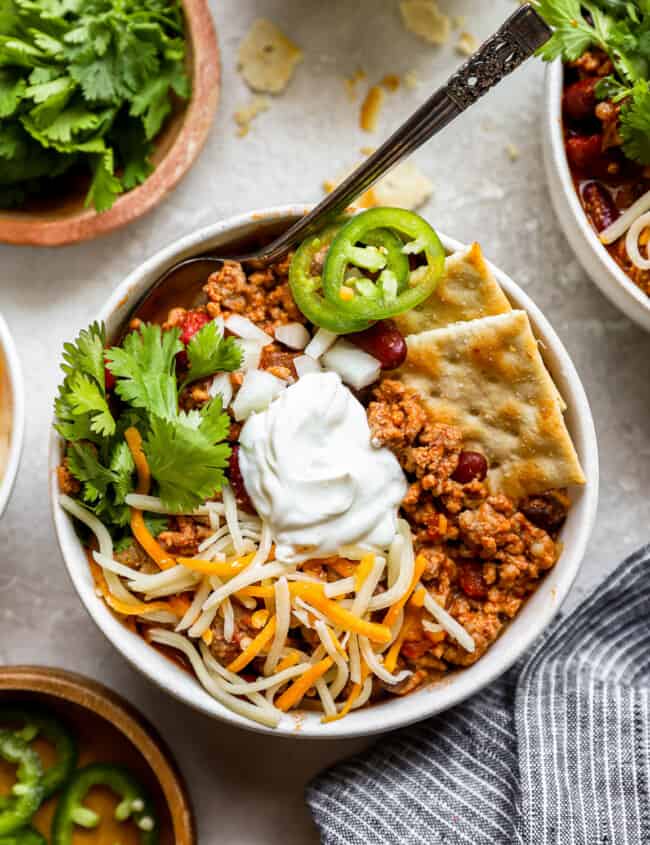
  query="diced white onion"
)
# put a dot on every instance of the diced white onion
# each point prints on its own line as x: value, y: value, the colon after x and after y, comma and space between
x: 251, y: 355
x: 221, y: 386
x: 622, y: 224
x: 304, y: 364
x: 356, y: 368
x: 245, y: 328
x: 632, y: 242
x: 453, y: 628
x: 258, y: 390
x: 293, y: 335
x: 320, y: 343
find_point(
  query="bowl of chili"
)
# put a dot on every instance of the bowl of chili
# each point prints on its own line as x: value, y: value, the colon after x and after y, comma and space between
x: 12, y: 413
x: 233, y: 235
x: 583, y: 202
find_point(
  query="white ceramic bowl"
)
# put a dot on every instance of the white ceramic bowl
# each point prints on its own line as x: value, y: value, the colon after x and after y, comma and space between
x: 597, y: 262
x: 9, y: 357
x: 531, y: 621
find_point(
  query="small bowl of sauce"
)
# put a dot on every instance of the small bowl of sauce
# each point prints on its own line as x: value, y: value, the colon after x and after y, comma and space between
x: 108, y: 734
x: 12, y: 414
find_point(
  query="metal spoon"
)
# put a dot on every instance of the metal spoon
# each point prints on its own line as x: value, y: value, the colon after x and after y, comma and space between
x: 510, y: 46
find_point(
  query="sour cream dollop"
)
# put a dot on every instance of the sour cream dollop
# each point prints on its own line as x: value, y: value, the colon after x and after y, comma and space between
x: 312, y: 473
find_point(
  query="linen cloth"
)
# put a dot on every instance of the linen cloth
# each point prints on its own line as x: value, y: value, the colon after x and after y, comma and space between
x: 554, y: 753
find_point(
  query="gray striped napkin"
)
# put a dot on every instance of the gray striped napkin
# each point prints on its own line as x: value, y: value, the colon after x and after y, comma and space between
x: 555, y: 752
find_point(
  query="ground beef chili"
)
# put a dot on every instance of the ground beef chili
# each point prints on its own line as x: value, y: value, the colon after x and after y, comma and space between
x: 606, y: 182
x: 485, y: 554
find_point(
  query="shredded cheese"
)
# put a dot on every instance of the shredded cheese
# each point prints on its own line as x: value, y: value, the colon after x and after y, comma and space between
x: 296, y: 692
x: 257, y: 645
x: 391, y: 615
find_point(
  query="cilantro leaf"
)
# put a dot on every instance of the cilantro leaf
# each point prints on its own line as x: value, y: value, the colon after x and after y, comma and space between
x: 85, y: 397
x: 635, y: 124
x: 208, y: 352
x: 573, y: 34
x: 105, y: 186
x: 214, y: 423
x: 185, y: 462
x: 86, y: 467
x: 145, y: 369
x: 12, y: 91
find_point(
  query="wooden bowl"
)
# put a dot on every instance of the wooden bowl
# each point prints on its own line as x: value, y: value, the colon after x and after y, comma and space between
x: 119, y: 734
x: 65, y: 221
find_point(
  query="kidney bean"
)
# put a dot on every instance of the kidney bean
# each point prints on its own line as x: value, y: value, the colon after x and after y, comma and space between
x: 579, y: 99
x: 471, y: 466
x: 383, y: 341
x: 470, y: 578
x: 547, y: 511
x: 109, y: 379
x: 237, y: 481
x: 599, y: 205
x: 585, y: 152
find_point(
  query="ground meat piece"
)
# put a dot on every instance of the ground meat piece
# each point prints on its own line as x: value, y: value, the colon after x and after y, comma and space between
x: 484, y: 530
x: 395, y: 415
x: 134, y: 555
x: 435, y: 558
x: 279, y: 361
x: 456, y: 497
x: 195, y: 395
x: 184, y: 535
x: 539, y: 548
x: 434, y: 461
x: 483, y: 627
x: 224, y: 651
x: 68, y: 484
x: 263, y: 296
x: 415, y: 680
x: 548, y: 510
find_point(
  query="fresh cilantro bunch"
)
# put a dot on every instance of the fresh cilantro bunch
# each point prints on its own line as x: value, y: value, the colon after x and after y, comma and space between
x: 186, y: 451
x: 85, y: 82
x: 622, y: 29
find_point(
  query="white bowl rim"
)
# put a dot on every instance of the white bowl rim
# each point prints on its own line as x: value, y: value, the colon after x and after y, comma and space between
x: 16, y: 437
x: 396, y: 713
x: 612, y: 280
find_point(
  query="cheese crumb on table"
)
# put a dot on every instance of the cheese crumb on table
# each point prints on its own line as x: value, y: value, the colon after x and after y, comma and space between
x: 466, y: 44
x: 267, y: 58
x: 405, y: 186
x: 425, y: 19
x: 246, y: 114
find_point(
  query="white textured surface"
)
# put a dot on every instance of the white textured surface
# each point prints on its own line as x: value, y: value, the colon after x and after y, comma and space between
x: 247, y: 788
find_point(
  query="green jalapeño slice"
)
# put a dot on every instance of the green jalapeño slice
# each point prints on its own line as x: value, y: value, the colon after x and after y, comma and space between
x: 305, y: 280
x: 357, y: 251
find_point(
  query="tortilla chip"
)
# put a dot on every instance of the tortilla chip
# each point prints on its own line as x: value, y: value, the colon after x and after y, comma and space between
x: 404, y: 187
x: 487, y: 378
x: 424, y: 18
x: 267, y: 58
x: 466, y: 291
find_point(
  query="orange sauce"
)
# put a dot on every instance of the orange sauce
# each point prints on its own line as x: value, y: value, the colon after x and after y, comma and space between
x: 98, y: 742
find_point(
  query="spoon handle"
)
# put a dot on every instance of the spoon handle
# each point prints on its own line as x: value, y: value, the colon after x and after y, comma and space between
x: 509, y: 47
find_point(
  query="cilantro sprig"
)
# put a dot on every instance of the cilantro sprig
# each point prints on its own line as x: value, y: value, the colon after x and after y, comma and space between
x: 186, y: 451
x: 85, y: 83
x: 621, y: 28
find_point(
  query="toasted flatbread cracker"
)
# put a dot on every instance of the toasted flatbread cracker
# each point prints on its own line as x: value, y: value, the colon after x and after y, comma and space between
x: 466, y: 291
x: 487, y: 378
x: 267, y: 58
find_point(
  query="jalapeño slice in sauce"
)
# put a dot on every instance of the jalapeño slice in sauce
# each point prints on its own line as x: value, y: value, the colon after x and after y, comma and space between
x: 305, y: 281
x: 29, y: 723
x: 134, y: 804
x: 352, y: 293
x: 17, y: 808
